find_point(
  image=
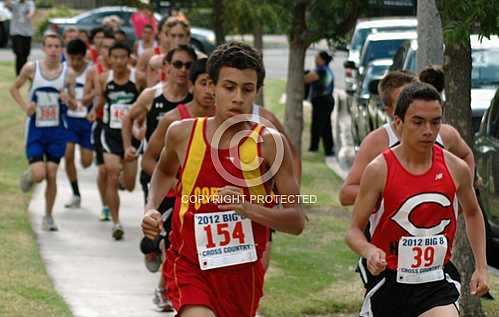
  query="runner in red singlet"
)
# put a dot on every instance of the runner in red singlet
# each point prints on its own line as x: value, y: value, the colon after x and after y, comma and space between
x: 214, y: 266
x: 416, y: 187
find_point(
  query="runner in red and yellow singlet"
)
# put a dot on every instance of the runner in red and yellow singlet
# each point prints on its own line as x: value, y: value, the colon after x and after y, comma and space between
x: 217, y: 238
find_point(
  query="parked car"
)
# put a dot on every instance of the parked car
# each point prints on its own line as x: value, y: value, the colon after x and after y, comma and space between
x: 363, y: 28
x: 382, y: 45
x: 201, y: 39
x: 362, y: 120
x: 486, y: 150
x: 484, y: 73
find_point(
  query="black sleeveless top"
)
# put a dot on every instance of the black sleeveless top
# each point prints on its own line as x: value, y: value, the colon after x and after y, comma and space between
x: 159, y: 107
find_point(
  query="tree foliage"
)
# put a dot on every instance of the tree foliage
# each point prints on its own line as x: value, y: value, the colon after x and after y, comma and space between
x: 462, y: 18
x: 246, y: 15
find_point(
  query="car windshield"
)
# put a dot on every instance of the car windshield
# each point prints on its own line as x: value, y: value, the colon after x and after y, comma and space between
x: 410, y: 63
x: 485, y: 70
x: 360, y: 36
x: 373, y: 72
x: 380, y: 49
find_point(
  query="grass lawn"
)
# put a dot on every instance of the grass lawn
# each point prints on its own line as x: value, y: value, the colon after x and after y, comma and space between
x: 314, y: 273
x: 25, y: 288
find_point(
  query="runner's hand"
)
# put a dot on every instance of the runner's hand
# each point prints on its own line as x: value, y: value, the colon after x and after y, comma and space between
x: 479, y: 283
x: 92, y: 115
x: 64, y: 98
x: 31, y: 108
x: 130, y: 153
x: 376, y: 260
x: 151, y: 224
x: 232, y: 198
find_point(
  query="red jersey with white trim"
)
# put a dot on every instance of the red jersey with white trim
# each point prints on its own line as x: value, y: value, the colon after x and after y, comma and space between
x: 200, y: 178
x: 415, y: 205
x: 100, y: 69
x: 183, y: 112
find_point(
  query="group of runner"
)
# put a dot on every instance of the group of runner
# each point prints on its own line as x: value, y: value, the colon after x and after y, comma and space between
x: 92, y: 97
x: 403, y: 185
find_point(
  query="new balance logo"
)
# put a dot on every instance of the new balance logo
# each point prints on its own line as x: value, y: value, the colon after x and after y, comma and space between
x: 439, y: 176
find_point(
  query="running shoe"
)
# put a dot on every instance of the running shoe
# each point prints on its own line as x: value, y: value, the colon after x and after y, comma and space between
x: 48, y: 224
x: 104, y: 215
x: 153, y: 261
x: 74, y: 202
x: 26, y: 181
x: 162, y: 303
x: 118, y: 231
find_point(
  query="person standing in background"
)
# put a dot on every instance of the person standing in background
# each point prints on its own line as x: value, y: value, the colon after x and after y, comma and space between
x: 142, y: 17
x: 321, y: 81
x: 21, y: 29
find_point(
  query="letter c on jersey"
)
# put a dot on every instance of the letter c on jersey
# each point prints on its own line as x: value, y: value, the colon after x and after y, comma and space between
x: 403, y: 214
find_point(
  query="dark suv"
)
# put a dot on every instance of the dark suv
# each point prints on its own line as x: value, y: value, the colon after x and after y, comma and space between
x: 486, y: 148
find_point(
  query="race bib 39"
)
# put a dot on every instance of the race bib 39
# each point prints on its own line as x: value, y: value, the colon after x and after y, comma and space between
x: 421, y: 259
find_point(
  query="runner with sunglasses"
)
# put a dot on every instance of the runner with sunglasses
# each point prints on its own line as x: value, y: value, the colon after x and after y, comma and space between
x: 155, y: 101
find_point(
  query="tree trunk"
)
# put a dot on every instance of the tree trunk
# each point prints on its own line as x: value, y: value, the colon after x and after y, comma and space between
x: 258, y: 43
x: 293, y: 117
x: 457, y: 70
x: 430, y: 38
x: 218, y: 21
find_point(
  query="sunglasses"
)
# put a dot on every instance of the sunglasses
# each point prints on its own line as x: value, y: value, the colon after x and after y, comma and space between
x: 179, y: 65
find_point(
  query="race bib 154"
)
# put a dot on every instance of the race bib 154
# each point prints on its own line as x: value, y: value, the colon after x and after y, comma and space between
x: 223, y: 239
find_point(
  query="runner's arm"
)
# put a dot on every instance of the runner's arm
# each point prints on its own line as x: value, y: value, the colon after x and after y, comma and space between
x: 138, y: 109
x: 89, y: 90
x: 142, y: 67
x: 165, y: 173
x: 25, y: 75
x: 370, y: 147
x: 455, y: 144
x: 371, y: 187
x: 155, y: 144
x: 100, y: 90
x: 68, y: 96
x: 290, y: 218
x: 475, y: 227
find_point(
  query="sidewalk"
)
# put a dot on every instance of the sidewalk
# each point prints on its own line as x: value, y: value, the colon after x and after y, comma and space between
x: 343, y: 142
x: 95, y: 275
